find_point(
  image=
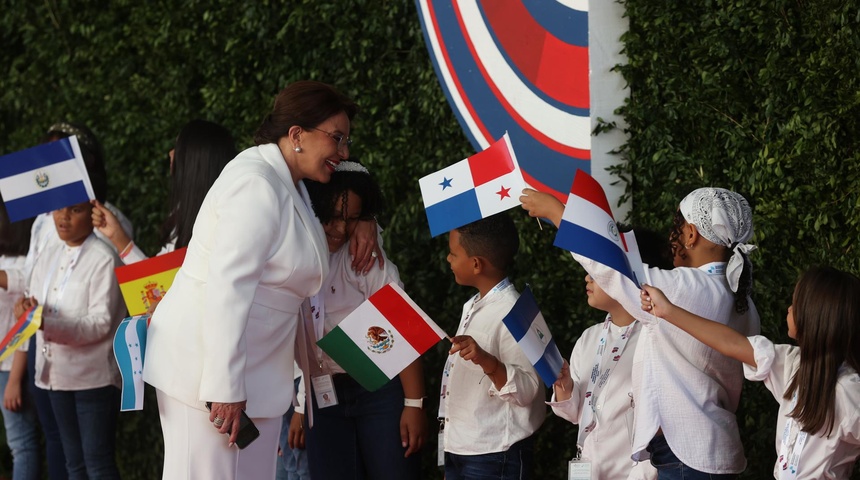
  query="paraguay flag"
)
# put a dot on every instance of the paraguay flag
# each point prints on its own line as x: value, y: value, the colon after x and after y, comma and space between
x: 381, y: 337
x: 588, y: 228
x: 482, y: 185
x: 529, y: 329
x: 129, y: 345
x: 44, y: 178
x: 23, y: 329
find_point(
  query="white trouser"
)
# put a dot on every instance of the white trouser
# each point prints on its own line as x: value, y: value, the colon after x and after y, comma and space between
x: 194, y: 450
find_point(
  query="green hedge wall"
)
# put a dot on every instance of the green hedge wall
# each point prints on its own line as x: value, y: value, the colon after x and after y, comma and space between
x: 751, y: 95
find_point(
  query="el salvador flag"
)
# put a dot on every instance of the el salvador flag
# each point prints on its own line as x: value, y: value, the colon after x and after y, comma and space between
x: 529, y: 329
x: 588, y: 228
x: 44, y: 178
x: 129, y: 345
x: 482, y: 185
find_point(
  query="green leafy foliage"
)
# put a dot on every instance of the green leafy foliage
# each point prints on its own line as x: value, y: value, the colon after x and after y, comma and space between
x: 761, y: 97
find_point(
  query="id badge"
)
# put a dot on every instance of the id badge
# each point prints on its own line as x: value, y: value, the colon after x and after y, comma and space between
x: 579, y: 469
x: 440, y: 455
x: 324, y: 391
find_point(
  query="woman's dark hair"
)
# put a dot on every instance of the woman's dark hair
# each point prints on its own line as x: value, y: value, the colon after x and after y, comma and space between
x: 654, y: 248
x: 91, y: 150
x: 324, y: 195
x: 306, y: 104
x: 826, y: 309
x: 742, y: 302
x: 201, y: 152
x: 14, y: 237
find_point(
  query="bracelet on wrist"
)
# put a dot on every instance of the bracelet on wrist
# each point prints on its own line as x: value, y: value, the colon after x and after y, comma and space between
x: 495, y: 369
x: 414, y: 402
x: 125, y: 251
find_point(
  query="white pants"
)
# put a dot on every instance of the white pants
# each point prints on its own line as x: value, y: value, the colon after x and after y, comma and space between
x: 194, y: 450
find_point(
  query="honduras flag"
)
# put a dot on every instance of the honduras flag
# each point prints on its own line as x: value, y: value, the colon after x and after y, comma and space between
x: 482, y: 185
x: 529, y: 329
x: 44, y: 178
x: 588, y: 228
x: 129, y: 345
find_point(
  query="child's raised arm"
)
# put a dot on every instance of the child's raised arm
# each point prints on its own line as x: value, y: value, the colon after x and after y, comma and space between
x: 720, y: 337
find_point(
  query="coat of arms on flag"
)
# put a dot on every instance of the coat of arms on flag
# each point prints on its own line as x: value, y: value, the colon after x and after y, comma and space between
x: 381, y: 337
x: 529, y: 329
x: 145, y: 283
x: 44, y: 178
x: 588, y: 228
x: 482, y: 185
x: 23, y: 329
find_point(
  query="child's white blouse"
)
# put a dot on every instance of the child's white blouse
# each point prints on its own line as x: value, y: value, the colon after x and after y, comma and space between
x: 822, y: 457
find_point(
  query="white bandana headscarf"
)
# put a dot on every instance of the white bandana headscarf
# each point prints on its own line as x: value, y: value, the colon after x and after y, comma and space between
x: 724, y: 218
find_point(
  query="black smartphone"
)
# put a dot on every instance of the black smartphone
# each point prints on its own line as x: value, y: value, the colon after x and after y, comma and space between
x: 247, y: 430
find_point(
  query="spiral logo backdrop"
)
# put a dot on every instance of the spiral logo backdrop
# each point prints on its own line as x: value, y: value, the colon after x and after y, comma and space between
x: 520, y: 66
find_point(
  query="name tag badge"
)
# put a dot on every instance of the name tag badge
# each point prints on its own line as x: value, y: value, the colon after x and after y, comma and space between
x: 579, y: 469
x: 324, y: 391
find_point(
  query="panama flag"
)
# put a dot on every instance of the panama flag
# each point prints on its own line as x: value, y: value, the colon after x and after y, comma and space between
x: 529, y: 329
x: 484, y: 184
x: 381, y: 337
x: 144, y: 283
x: 129, y: 344
x: 44, y: 178
x: 24, y: 328
x: 588, y: 228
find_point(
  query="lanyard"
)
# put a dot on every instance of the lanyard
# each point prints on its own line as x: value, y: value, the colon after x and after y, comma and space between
x: 61, y: 287
x: 464, y: 324
x: 788, y: 462
x: 602, y: 369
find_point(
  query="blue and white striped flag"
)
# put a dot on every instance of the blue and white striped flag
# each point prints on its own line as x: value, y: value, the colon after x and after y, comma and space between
x: 44, y: 178
x: 529, y: 329
x: 129, y: 345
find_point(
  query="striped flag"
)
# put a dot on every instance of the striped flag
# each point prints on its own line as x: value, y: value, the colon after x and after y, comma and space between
x: 129, y: 345
x: 529, y: 329
x: 24, y: 328
x: 588, y: 228
x: 144, y: 283
x: 482, y: 185
x: 44, y: 178
x: 381, y: 337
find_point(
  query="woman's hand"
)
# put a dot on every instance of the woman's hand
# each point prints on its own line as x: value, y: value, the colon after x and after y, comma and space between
x: 364, y: 246
x: 563, y: 386
x: 542, y: 205
x: 296, y: 436
x: 413, y: 429
x: 229, y: 414
x: 106, y: 222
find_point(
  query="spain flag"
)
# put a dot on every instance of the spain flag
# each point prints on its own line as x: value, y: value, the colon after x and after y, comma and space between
x: 144, y: 283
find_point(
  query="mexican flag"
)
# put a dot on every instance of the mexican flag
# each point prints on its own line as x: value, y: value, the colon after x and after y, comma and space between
x: 381, y: 337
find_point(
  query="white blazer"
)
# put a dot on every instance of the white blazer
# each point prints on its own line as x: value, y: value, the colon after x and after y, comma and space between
x: 225, y: 331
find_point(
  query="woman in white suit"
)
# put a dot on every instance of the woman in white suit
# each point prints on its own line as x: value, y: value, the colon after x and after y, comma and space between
x: 225, y: 331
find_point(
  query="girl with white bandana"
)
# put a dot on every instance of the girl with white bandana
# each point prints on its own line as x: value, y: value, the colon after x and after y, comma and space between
x: 685, y: 392
x: 816, y: 383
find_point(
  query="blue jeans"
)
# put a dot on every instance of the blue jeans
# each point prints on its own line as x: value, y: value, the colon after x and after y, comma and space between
x: 293, y: 463
x: 670, y: 468
x: 86, y: 420
x: 22, y: 435
x: 517, y: 463
x: 359, y: 438
x: 55, y: 459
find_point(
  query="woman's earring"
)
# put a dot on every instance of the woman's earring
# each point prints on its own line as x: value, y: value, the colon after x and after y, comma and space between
x: 298, y: 149
x: 688, y: 246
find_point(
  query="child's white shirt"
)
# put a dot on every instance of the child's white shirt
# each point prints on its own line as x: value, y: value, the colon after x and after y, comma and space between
x: 607, y: 447
x: 822, y: 457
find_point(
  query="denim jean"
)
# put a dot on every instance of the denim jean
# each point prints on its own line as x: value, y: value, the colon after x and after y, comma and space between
x: 516, y: 463
x: 86, y: 420
x: 22, y: 435
x: 359, y: 438
x: 54, y: 457
x: 670, y: 468
x: 293, y: 463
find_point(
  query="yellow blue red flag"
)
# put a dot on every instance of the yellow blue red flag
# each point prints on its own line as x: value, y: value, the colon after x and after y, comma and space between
x: 144, y: 283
